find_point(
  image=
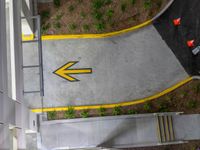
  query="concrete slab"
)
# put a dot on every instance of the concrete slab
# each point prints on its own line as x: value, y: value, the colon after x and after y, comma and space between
x: 99, y: 132
x: 128, y: 67
x: 187, y: 127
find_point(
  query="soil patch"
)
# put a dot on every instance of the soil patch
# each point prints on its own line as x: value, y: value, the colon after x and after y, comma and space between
x: 95, y: 16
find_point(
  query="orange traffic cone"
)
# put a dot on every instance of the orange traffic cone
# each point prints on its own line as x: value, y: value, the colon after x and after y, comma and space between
x: 190, y: 43
x: 177, y: 22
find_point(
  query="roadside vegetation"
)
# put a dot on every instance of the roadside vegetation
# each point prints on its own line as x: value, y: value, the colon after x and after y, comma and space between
x: 184, y: 99
x: 95, y: 16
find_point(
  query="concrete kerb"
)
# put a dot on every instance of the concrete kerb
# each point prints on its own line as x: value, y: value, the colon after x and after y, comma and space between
x: 102, y: 35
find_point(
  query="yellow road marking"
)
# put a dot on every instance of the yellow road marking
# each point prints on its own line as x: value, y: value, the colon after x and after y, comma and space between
x: 134, y: 102
x: 27, y: 37
x: 92, y: 36
x: 65, y: 72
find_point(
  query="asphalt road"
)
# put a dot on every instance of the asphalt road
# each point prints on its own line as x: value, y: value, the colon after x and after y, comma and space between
x: 176, y: 37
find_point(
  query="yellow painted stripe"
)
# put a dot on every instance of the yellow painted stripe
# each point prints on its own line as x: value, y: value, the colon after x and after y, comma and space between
x: 89, y: 36
x: 77, y: 71
x: 27, y: 37
x: 134, y: 102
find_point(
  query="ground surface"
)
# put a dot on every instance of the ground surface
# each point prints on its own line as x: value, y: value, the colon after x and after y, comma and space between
x: 184, y: 99
x: 193, y: 145
x: 90, y: 16
x: 176, y: 37
x: 117, y: 131
x: 127, y: 67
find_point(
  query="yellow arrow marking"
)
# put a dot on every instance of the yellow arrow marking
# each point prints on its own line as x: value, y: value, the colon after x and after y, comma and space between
x: 65, y: 72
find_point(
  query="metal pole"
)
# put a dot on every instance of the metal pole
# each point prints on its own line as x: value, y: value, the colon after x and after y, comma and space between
x: 40, y: 57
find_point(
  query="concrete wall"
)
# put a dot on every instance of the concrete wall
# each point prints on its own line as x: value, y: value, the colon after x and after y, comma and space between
x: 12, y: 113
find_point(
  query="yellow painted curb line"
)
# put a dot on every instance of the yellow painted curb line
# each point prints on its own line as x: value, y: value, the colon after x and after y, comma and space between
x: 27, y: 37
x: 89, y: 36
x: 134, y: 102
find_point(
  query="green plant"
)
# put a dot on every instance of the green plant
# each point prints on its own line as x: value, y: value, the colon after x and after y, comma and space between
x: 59, y: 16
x: 192, y: 104
x: 85, y: 114
x: 100, y: 26
x: 57, y: 3
x: 97, y: 4
x: 69, y: 113
x: 71, y: 8
x: 147, y: 4
x: 86, y: 27
x: 133, y: 2
x: 45, y: 28
x: 102, y: 111
x: 72, y: 26
x: 83, y: 15
x: 107, y: 2
x: 109, y: 13
x: 123, y: 7
x: 51, y: 115
x: 131, y: 111
x: 163, y: 107
x: 57, y: 25
x: 147, y: 106
x: 45, y: 14
x: 97, y: 15
x: 117, y: 110
x: 197, y: 89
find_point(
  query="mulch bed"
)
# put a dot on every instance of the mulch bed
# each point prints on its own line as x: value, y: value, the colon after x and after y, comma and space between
x: 91, y: 16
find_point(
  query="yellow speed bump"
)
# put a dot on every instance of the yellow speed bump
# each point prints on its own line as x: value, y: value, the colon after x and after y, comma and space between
x: 133, y: 102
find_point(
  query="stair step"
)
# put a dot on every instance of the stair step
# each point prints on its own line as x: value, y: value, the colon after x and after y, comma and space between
x: 165, y: 128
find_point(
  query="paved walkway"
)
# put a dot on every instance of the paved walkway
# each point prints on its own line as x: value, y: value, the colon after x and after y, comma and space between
x: 115, y: 132
x: 128, y: 67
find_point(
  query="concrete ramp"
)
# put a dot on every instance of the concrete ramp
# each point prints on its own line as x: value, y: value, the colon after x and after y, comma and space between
x: 121, y: 131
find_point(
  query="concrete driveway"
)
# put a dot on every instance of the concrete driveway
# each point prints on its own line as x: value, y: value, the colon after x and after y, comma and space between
x: 124, y: 68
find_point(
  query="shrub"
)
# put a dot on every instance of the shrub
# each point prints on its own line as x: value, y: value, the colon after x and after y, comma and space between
x: 70, y: 113
x: 59, y: 16
x: 71, y: 8
x: 45, y: 14
x: 109, y: 13
x: 72, y: 26
x: 57, y: 3
x: 147, y: 106
x: 100, y: 26
x: 85, y: 114
x: 132, y: 2
x: 163, y: 107
x: 97, y: 15
x: 131, y: 111
x: 83, y: 15
x: 97, y: 4
x: 117, y: 110
x: 192, y: 104
x: 51, y: 115
x: 107, y: 2
x: 45, y: 28
x: 102, y: 111
x: 197, y: 89
x: 86, y: 27
x: 147, y: 4
x: 57, y: 25
x: 123, y: 7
